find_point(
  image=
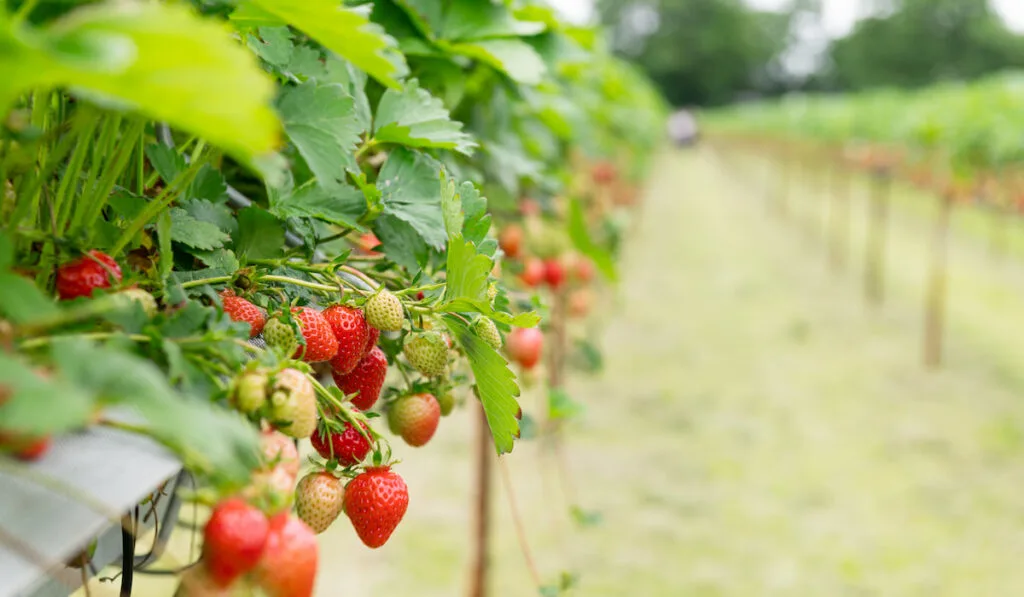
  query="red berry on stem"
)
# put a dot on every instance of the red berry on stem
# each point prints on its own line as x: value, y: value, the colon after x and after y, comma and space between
x: 415, y: 418
x: 321, y: 345
x: 83, y: 276
x: 367, y: 379
x: 533, y: 272
x: 288, y: 566
x: 239, y: 309
x: 375, y: 502
x: 234, y: 540
x: 511, y: 240
x: 371, y: 339
x: 348, y: 447
x: 524, y: 346
x: 350, y: 329
x: 554, y: 273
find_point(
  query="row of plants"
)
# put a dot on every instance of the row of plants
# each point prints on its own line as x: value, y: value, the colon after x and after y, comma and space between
x: 956, y: 138
x: 229, y: 225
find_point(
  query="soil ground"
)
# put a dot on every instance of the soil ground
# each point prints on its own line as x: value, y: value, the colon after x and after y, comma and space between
x: 758, y: 429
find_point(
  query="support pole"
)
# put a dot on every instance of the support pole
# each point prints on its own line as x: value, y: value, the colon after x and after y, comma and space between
x: 935, y: 300
x: 482, y: 509
x: 878, y: 216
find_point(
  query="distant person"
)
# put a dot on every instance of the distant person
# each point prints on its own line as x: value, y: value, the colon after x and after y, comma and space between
x: 682, y: 128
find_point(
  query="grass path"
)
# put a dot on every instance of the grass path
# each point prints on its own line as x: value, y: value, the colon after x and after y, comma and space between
x: 757, y: 431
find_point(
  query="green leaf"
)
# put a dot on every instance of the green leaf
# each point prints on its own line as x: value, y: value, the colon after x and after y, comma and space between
x: 343, y: 31
x: 6, y: 251
x: 260, y: 235
x: 118, y: 53
x: 21, y: 302
x: 410, y: 191
x: 165, y: 258
x: 478, y: 221
x: 272, y: 44
x: 495, y: 384
x: 516, y: 58
x: 215, y: 213
x: 341, y: 207
x: 321, y: 121
x: 528, y: 319
x: 167, y: 162
x: 195, y: 233
x: 210, y: 439
x: 467, y: 271
x: 220, y: 259
x: 401, y: 242
x: 39, y: 406
x: 479, y: 19
x: 580, y: 236
x: 414, y: 118
x: 451, y: 208
x: 561, y: 406
x: 209, y: 184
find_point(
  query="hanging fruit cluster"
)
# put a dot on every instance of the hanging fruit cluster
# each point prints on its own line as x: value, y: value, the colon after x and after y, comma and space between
x: 230, y: 241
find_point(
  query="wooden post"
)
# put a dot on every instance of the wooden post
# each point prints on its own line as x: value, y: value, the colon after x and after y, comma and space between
x: 482, y: 512
x: 874, y: 259
x: 840, y: 219
x: 935, y: 299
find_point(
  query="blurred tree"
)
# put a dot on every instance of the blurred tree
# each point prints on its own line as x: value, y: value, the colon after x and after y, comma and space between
x: 916, y: 42
x: 701, y: 51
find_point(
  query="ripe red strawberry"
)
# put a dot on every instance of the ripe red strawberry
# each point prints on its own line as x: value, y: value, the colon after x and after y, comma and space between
x: 293, y: 403
x: 415, y: 418
x: 511, y: 240
x: 375, y: 502
x: 533, y: 272
x: 83, y: 276
x: 524, y: 345
x: 321, y: 345
x: 583, y: 269
x: 373, y: 334
x: 35, y: 449
x: 319, y: 498
x: 234, y: 540
x: 349, y: 327
x: 348, y: 447
x: 288, y: 566
x: 367, y: 243
x: 554, y: 273
x: 367, y: 379
x: 239, y: 309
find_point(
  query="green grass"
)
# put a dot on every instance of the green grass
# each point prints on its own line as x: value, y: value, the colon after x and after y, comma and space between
x: 758, y: 430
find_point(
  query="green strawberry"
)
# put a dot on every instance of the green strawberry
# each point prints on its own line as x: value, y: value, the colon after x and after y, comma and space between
x: 280, y: 336
x: 447, y: 402
x: 250, y: 391
x: 140, y: 296
x: 488, y: 332
x: 427, y: 352
x: 293, y: 404
x: 384, y: 312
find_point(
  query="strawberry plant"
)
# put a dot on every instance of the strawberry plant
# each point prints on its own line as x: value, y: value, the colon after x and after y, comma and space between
x: 231, y: 219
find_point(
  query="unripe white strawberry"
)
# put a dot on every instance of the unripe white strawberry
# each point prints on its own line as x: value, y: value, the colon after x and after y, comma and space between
x: 384, y: 312
x: 319, y: 499
x: 427, y: 352
x: 293, y: 404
